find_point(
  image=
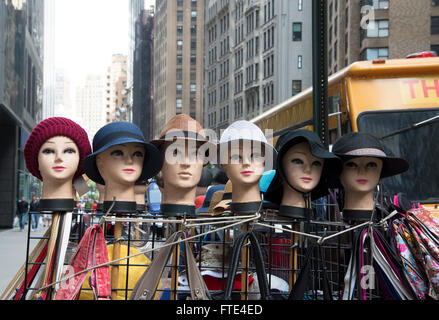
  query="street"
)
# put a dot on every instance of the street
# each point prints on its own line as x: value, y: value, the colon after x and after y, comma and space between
x: 13, y: 251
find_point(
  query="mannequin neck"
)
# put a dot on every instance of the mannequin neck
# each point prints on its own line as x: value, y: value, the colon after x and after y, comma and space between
x: 139, y: 194
x: 292, y: 198
x: 358, y: 201
x: 58, y: 190
x: 245, y: 194
x: 120, y: 192
x: 180, y: 196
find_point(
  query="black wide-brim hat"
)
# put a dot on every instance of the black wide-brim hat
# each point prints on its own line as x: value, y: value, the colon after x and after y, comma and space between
x: 362, y: 144
x: 116, y: 133
x: 331, y: 167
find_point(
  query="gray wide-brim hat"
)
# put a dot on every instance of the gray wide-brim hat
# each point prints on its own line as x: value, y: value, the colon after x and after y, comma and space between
x: 116, y: 133
x: 332, y: 166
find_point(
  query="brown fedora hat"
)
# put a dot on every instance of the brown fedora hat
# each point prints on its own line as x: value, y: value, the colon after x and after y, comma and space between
x: 181, y: 127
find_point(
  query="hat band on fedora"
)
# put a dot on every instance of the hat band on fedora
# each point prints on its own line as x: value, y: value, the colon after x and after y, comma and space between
x: 182, y: 134
x: 117, y: 135
x: 366, y: 152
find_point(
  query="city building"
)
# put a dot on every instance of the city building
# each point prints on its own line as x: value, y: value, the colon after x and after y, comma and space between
x: 178, y: 60
x: 63, y: 93
x: 49, y: 59
x: 21, y: 98
x: 258, y: 53
x: 116, y: 106
x: 90, y: 104
x: 387, y: 29
x: 142, y: 89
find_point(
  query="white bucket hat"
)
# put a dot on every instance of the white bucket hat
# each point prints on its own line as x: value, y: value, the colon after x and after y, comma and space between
x: 246, y: 131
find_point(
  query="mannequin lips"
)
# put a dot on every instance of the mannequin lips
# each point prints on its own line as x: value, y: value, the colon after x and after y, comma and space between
x: 362, y: 181
x: 306, y: 179
x: 247, y: 173
x: 59, y: 168
x: 129, y: 170
x: 185, y: 174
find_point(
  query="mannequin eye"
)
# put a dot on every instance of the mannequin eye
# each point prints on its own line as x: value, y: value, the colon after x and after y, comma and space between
x: 117, y: 153
x: 297, y: 161
x: 138, y: 154
x: 48, y: 151
x: 70, y: 150
x: 371, y: 165
x: 235, y: 157
x: 317, y: 164
x: 351, y: 164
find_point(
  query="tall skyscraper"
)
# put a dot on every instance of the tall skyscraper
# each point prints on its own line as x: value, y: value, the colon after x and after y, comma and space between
x: 388, y: 29
x: 178, y: 60
x: 143, y: 74
x: 116, y: 106
x: 49, y: 59
x: 258, y: 53
x: 90, y: 104
x: 21, y: 98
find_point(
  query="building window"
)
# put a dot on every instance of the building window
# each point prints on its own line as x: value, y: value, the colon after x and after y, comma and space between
x: 179, y: 44
x: 179, y: 103
x: 193, y: 59
x: 300, y: 5
x: 179, y: 59
x: 375, y: 53
x: 194, y: 29
x: 435, y: 47
x: 179, y: 74
x: 434, y: 25
x: 193, y: 15
x: 179, y: 31
x: 297, y: 87
x: 193, y: 88
x: 193, y: 44
x: 297, y: 31
x: 193, y: 3
x: 380, y: 30
x: 179, y: 15
x: 180, y: 3
x: 299, y: 62
x: 435, y: 3
x: 179, y: 88
x: 378, y: 4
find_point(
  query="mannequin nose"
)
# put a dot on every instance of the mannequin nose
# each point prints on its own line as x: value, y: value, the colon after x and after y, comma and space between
x: 129, y: 159
x: 307, y: 168
x: 58, y: 157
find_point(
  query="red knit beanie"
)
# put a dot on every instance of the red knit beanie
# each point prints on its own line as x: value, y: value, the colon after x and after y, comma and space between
x: 51, y: 127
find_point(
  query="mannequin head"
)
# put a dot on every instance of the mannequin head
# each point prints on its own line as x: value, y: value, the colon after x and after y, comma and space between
x: 245, y: 154
x: 121, y: 166
x: 244, y: 167
x: 302, y: 171
x: 304, y: 166
x: 183, y: 145
x: 181, y: 172
x: 58, y: 161
x: 121, y: 158
x: 54, y: 153
x: 364, y: 164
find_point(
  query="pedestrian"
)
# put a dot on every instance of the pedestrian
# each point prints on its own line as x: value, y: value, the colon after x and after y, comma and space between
x: 23, y: 208
x: 34, y: 213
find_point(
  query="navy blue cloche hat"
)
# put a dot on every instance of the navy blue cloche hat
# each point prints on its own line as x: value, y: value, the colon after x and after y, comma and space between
x: 116, y: 133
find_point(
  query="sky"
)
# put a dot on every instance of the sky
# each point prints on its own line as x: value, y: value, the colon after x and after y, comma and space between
x: 88, y: 32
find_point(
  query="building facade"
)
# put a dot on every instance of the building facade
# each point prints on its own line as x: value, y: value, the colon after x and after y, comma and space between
x: 258, y: 53
x: 387, y: 29
x: 90, y: 104
x: 21, y: 98
x: 116, y: 106
x: 178, y: 60
x: 143, y: 74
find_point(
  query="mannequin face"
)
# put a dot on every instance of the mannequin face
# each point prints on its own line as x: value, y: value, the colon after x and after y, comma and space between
x: 244, y: 166
x: 181, y: 167
x: 121, y: 164
x: 301, y: 168
x: 361, y: 174
x: 58, y: 159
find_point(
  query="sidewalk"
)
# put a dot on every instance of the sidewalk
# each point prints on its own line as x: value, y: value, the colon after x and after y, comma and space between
x: 13, y: 244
